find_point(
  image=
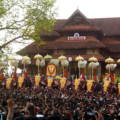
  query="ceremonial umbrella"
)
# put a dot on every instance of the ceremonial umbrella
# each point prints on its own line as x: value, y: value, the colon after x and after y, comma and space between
x: 118, y: 61
x: 79, y: 58
x: 93, y: 59
x: 26, y: 60
x: 48, y: 57
x: 12, y: 60
x: 38, y: 57
x: 109, y: 61
x: 62, y: 58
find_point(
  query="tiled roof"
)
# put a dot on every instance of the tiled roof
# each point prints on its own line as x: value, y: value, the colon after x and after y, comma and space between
x: 111, y: 44
x: 109, y: 26
x: 64, y: 43
x: 33, y: 48
x: 90, y: 27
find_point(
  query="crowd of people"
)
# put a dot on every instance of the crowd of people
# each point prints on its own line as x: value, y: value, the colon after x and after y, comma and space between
x: 33, y: 103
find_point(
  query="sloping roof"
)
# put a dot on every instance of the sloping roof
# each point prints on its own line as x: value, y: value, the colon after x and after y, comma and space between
x: 64, y: 43
x: 111, y: 44
x: 109, y: 26
x: 80, y: 13
x: 90, y: 27
x: 34, y: 48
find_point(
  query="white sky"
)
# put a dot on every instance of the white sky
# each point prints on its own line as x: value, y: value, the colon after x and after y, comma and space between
x: 90, y: 8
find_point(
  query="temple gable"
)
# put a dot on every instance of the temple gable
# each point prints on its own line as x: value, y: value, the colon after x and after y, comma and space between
x: 77, y: 18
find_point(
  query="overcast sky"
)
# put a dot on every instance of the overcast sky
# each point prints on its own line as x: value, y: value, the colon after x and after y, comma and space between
x: 90, y: 8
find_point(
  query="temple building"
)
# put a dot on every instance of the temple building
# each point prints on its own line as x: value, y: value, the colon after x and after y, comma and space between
x: 79, y: 35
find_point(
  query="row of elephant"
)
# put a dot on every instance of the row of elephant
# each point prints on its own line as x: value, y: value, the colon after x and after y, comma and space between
x: 56, y: 83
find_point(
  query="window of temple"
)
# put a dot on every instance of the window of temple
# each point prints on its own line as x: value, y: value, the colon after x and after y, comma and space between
x: 56, y: 52
x: 75, y: 52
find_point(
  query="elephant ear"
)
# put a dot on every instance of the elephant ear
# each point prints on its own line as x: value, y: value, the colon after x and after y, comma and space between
x: 68, y: 83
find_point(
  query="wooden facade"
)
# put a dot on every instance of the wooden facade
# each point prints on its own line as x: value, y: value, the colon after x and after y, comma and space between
x: 102, y: 40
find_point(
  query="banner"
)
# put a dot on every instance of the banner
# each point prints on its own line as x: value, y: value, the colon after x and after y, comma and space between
x: 8, y: 82
x: 51, y: 70
x: 49, y: 82
x: 62, y: 82
x: 20, y: 81
x: 89, y: 85
x: 105, y: 86
x: 76, y: 83
x: 37, y: 80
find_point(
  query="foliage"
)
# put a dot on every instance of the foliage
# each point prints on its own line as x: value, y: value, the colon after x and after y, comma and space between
x: 25, y: 20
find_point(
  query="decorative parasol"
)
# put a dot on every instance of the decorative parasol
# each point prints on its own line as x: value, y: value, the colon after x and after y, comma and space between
x: 62, y: 58
x: 79, y: 58
x: 109, y: 60
x: 26, y: 60
x: 47, y: 57
x: 118, y: 61
x: 38, y: 57
x: 93, y: 59
x: 11, y: 58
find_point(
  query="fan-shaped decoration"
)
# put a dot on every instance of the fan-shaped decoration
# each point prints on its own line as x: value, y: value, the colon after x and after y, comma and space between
x: 61, y: 58
x: 37, y: 62
x: 109, y: 60
x: 79, y: 58
x: 82, y: 64
x: 47, y: 57
x: 93, y: 59
x: 14, y: 63
x: 64, y: 63
x: 111, y: 66
x: 26, y: 60
x: 38, y: 56
x: 42, y: 63
x: 118, y: 61
x: 54, y: 61
x: 93, y: 65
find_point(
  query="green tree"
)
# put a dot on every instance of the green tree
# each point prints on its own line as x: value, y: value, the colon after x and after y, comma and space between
x: 24, y: 20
